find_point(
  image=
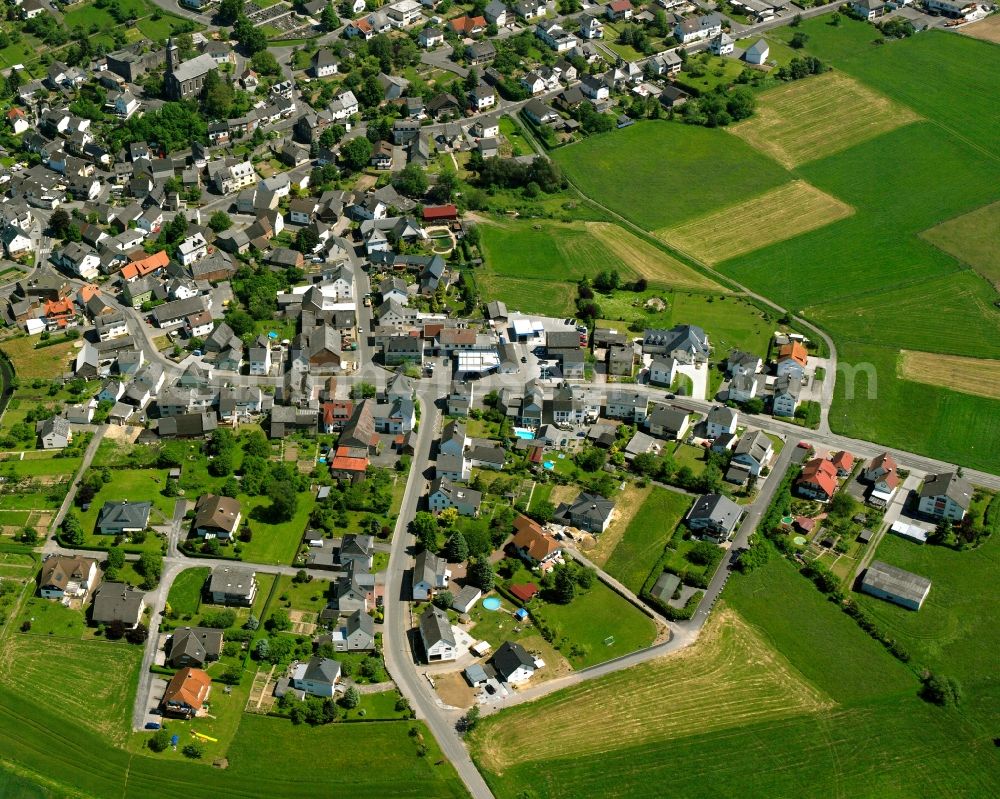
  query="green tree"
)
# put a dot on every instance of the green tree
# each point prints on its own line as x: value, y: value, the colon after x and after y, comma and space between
x: 941, y: 690
x: 351, y: 698
x: 159, y: 741
x: 329, y: 21
x: 193, y: 751
x: 425, y: 528
x: 443, y: 599
x: 279, y: 621
x: 306, y: 239
x: 150, y: 567
x: 411, y: 181
x: 72, y: 530
x: 229, y: 11
x: 220, y: 221
x: 284, y: 501
x: 216, y: 95
x: 264, y: 63
x: 59, y: 222
x: 356, y: 154
x: 482, y: 574
x: 116, y: 558
x: 457, y: 548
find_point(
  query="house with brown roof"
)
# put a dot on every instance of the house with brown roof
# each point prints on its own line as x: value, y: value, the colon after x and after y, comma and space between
x: 792, y: 360
x: 68, y: 577
x: 818, y: 480
x: 217, y: 517
x: 534, y: 545
x: 882, y: 474
x: 186, y: 693
x: 844, y: 461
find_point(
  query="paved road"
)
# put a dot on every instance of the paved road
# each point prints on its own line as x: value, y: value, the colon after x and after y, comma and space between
x: 399, y: 660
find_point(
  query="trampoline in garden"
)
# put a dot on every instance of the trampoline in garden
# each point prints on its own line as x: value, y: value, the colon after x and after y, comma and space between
x: 787, y: 520
x: 799, y: 541
x: 491, y: 603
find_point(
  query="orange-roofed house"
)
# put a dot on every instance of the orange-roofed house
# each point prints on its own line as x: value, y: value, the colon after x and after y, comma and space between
x: 186, y: 693
x: 818, y: 480
x: 534, y: 545
x: 59, y: 313
x: 468, y: 26
x: 349, y: 463
x: 792, y: 359
x: 86, y: 293
x: 440, y: 213
x: 145, y: 266
x: 844, y: 462
x: 18, y: 121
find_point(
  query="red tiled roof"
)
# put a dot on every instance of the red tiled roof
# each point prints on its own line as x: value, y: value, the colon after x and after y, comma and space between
x: 146, y: 266
x: 524, y: 592
x: 822, y: 473
x: 843, y: 460
x: 440, y: 212
x: 796, y: 351
x: 344, y: 462
x: 620, y: 5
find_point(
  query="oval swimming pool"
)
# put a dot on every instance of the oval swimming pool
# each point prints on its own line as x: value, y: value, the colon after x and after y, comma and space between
x: 491, y: 603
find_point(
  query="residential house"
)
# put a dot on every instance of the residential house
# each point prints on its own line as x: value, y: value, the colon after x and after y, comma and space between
x: 869, y: 10
x: 123, y: 518
x: 818, y: 480
x: 316, y: 677
x: 754, y: 451
x: 512, y: 662
x: 357, y: 551
x: 714, y: 516
x: 697, y: 28
x: 118, y: 602
x: 533, y: 545
x: 686, y: 344
x: 232, y: 585
x: 193, y: 646
x: 357, y: 634
x: 217, y: 517
x: 945, y: 496
x: 589, y: 512
x: 430, y: 574
x: 628, y: 405
x: 446, y: 494
x: 54, y: 433
x: 669, y: 422
x: 437, y: 636
x: 618, y: 10
x: 67, y: 577
x: 786, y: 395
x: 662, y: 371
x: 722, y: 44
x: 844, y: 461
x: 186, y: 693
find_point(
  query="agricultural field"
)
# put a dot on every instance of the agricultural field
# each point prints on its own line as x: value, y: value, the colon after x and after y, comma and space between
x: 967, y: 375
x: 821, y: 115
x: 268, y: 757
x: 662, y: 159
x: 971, y: 238
x: 73, y: 676
x: 782, y: 213
x: 987, y: 29
x: 955, y: 631
x: 646, y: 536
x: 804, y: 692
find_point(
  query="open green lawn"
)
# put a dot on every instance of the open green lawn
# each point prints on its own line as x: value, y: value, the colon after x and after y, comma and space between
x: 186, y: 590
x: 645, y: 537
x: 52, y: 618
x: 592, y: 617
x: 663, y: 162
x: 955, y: 631
x: 511, y: 131
x: 274, y: 543
x: 310, y: 596
x: 718, y: 71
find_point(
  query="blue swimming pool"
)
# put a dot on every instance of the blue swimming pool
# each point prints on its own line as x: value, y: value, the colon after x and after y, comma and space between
x: 549, y: 465
x: 523, y: 432
x: 491, y: 603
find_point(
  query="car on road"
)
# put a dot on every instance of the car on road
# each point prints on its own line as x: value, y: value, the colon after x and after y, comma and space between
x: 804, y: 445
x: 152, y: 725
x: 671, y: 396
x: 524, y: 359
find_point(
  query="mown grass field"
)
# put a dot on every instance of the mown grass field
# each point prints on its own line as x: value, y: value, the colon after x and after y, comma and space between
x: 809, y: 119
x: 593, y: 616
x: 776, y: 215
x: 967, y: 375
x: 955, y: 631
x: 186, y: 590
x: 663, y: 161
x: 645, y: 537
x: 851, y: 723
x: 29, y: 362
x: 971, y: 238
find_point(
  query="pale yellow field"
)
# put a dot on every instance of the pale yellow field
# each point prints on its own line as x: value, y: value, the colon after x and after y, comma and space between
x: 987, y: 29
x: 810, y: 119
x: 729, y: 678
x: 791, y: 209
x: 648, y: 261
x: 978, y: 376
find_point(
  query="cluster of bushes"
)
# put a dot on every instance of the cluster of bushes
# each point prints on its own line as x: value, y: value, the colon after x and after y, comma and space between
x: 719, y: 108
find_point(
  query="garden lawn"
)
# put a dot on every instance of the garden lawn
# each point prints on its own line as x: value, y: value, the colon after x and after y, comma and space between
x: 187, y: 589
x: 45, y: 362
x: 663, y: 160
x: 592, y: 617
x: 52, y: 619
x: 718, y: 72
x: 646, y: 536
x: 274, y: 543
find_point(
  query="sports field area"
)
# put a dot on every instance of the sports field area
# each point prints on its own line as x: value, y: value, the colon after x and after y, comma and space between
x: 808, y: 119
x: 809, y: 704
x: 778, y: 214
x: 972, y: 239
x: 967, y: 375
